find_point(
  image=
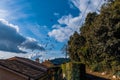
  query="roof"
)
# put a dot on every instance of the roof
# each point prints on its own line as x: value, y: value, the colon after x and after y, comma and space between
x: 48, y: 63
x: 24, y: 66
x: 30, y: 62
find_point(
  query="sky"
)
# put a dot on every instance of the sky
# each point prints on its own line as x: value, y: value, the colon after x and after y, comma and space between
x: 41, y: 28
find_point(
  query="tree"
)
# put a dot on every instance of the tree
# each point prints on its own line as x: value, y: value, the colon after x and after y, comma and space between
x: 99, y: 38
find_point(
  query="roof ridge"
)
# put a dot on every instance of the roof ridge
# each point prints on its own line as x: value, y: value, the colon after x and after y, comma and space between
x: 30, y: 62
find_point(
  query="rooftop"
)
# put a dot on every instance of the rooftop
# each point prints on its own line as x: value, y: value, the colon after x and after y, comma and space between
x: 24, y: 66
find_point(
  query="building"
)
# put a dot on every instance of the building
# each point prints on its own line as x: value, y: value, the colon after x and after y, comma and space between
x: 54, y: 65
x: 18, y: 68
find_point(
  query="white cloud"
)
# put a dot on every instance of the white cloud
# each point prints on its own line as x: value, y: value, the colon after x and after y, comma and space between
x: 3, y: 21
x: 11, y: 40
x: 65, y: 19
x: 71, y: 24
x: 5, y: 55
x: 30, y: 43
x: 62, y: 33
x: 59, y: 34
x: 92, y: 4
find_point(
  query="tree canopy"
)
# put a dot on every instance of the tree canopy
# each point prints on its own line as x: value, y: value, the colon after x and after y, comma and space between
x: 99, y: 39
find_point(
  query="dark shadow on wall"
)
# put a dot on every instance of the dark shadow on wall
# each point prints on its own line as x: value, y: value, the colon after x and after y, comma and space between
x: 93, y: 77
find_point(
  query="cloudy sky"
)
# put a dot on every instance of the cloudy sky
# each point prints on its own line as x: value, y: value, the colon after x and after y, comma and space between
x: 40, y: 26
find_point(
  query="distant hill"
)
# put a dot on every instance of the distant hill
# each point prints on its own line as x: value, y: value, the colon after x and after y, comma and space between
x: 59, y: 61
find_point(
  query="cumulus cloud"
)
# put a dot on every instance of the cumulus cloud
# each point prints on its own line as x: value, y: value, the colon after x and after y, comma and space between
x: 68, y: 24
x: 30, y: 43
x: 11, y: 40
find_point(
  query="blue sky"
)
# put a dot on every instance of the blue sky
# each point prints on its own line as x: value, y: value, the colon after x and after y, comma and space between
x: 35, y: 25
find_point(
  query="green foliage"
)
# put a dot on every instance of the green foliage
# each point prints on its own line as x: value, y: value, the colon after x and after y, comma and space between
x: 96, y: 67
x: 99, y: 39
x: 75, y: 42
x: 67, y: 70
x: 78, y: 71
x: 74, y: 71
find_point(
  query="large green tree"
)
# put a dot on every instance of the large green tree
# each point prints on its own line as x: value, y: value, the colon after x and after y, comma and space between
x: 99, y: 38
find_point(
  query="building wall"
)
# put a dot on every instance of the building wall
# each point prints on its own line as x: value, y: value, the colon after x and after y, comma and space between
x: 8, y: 75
